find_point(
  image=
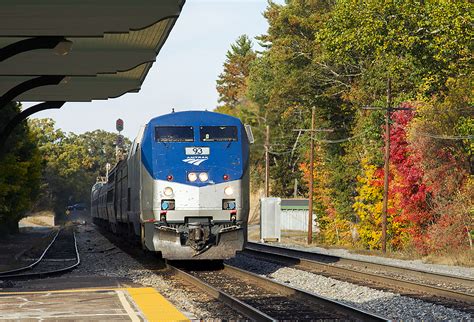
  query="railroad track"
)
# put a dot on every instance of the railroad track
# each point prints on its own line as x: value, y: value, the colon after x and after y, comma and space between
x: 447, y: 289
x: 261, y: 299
x: 60, y: 255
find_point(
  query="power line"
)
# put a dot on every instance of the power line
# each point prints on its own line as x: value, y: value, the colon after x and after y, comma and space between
x: 356, y: 136
x: 300, y: 142
x: 434, y: 136
x: 345, y: 139
x: 445, y: 137
x: 279, y: 153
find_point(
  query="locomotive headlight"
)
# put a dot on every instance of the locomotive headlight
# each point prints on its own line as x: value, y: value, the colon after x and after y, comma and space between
x: 168, y: 191
x: 203, y: 176
x: 229, y: 190
x: 192, y: 176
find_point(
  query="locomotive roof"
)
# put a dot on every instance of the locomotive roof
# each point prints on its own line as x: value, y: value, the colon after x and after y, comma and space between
x: 193, y: 117
x: 223, y: 157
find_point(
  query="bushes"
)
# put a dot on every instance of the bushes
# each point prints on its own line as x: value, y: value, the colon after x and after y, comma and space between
x: 430, y: 190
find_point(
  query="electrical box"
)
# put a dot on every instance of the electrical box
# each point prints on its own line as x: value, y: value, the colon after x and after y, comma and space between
x: 270, y: 213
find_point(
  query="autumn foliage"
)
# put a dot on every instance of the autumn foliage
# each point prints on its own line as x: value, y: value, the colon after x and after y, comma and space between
x: 408, y: 188
x: 429, y: 192
x: 335, y: 57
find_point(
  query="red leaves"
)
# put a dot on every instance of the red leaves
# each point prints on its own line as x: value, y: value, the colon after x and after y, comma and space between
x: 379, y: 181
x: 423, y: 179
x: 408, y: 186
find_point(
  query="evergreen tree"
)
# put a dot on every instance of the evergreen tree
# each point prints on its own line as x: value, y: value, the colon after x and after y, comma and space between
x: 232, y: 82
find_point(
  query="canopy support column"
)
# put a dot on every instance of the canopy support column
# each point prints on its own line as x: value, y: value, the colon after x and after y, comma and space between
x: 28, y: 85
x: 17, y: 119
x: 30, y: 44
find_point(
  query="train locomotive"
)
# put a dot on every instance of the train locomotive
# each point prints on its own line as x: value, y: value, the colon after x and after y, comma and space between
x: 183, y: 189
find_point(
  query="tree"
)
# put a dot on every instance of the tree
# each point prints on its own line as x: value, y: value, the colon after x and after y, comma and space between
x: 336, y: 56
x: 71, y: 163
x: 440, y: 136
x: 368, y: 205
x: 419, y: 45
x: 285, y: 82
x: 232, y: 82
x: 20, y: 170
x: 364, y: 43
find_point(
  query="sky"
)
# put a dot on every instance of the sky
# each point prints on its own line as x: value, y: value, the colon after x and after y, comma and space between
x: 184, y: 74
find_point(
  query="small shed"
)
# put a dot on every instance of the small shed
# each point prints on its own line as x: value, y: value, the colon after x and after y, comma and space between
x: 294, y: 215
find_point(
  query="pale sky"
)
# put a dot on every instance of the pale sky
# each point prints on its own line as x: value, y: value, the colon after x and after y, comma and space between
x: 184, y: 74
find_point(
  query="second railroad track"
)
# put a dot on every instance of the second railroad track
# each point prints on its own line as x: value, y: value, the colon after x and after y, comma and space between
x: 444, y: 289
x: 59, y: 256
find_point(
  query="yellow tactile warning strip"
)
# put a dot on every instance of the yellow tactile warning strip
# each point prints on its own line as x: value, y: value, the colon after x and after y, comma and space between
x: 151, y: 304
x: 154, y: 306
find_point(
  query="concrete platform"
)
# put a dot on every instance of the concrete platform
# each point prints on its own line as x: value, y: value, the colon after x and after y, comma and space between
x: 119, y: 304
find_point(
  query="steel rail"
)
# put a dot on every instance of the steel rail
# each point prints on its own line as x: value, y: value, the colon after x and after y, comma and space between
x: 32, y: 264
x: 299, y: 259
x: 232, y: 302
x: 436, y: 277
x: 269, y: 284
x: 50, y: 272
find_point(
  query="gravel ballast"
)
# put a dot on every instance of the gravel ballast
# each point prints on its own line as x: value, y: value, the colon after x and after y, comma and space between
x: 412, y: 264
x: 390, y: 305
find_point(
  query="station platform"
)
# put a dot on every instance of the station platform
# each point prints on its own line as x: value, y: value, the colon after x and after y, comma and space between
x: 119, y: 304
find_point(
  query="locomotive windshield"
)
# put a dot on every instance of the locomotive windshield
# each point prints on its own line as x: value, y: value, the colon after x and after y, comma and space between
x: 218, y: 133
x: 174, y: 134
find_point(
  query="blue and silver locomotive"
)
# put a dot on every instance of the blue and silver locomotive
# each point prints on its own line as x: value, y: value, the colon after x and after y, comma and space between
x: 183, y: 189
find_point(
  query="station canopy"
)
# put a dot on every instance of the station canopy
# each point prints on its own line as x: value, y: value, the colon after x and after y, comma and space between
x: 104, y: 48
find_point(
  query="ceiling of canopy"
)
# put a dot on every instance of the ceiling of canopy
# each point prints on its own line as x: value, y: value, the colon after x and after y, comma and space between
x: 112, y: 45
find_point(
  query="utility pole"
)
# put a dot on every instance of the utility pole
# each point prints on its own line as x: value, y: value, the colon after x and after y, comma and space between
x: 295, y: 189
x: 311, y: 170
x: 267, y: 162
x: 388, y: 109
x: 386, y: 165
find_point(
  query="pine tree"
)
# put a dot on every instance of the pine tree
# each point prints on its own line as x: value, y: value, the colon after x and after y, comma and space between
x: 232, y: 84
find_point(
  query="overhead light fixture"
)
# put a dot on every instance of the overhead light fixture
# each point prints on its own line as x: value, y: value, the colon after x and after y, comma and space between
x: 65, y: 80
x: 63, y: 47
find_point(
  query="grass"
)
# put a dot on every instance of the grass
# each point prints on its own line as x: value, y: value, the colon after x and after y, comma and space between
x: 457, y: 258
x: 42, y: 218
x: 454, y: 258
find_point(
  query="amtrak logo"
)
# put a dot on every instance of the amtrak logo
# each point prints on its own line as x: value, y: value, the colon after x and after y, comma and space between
x: 195, y: 160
